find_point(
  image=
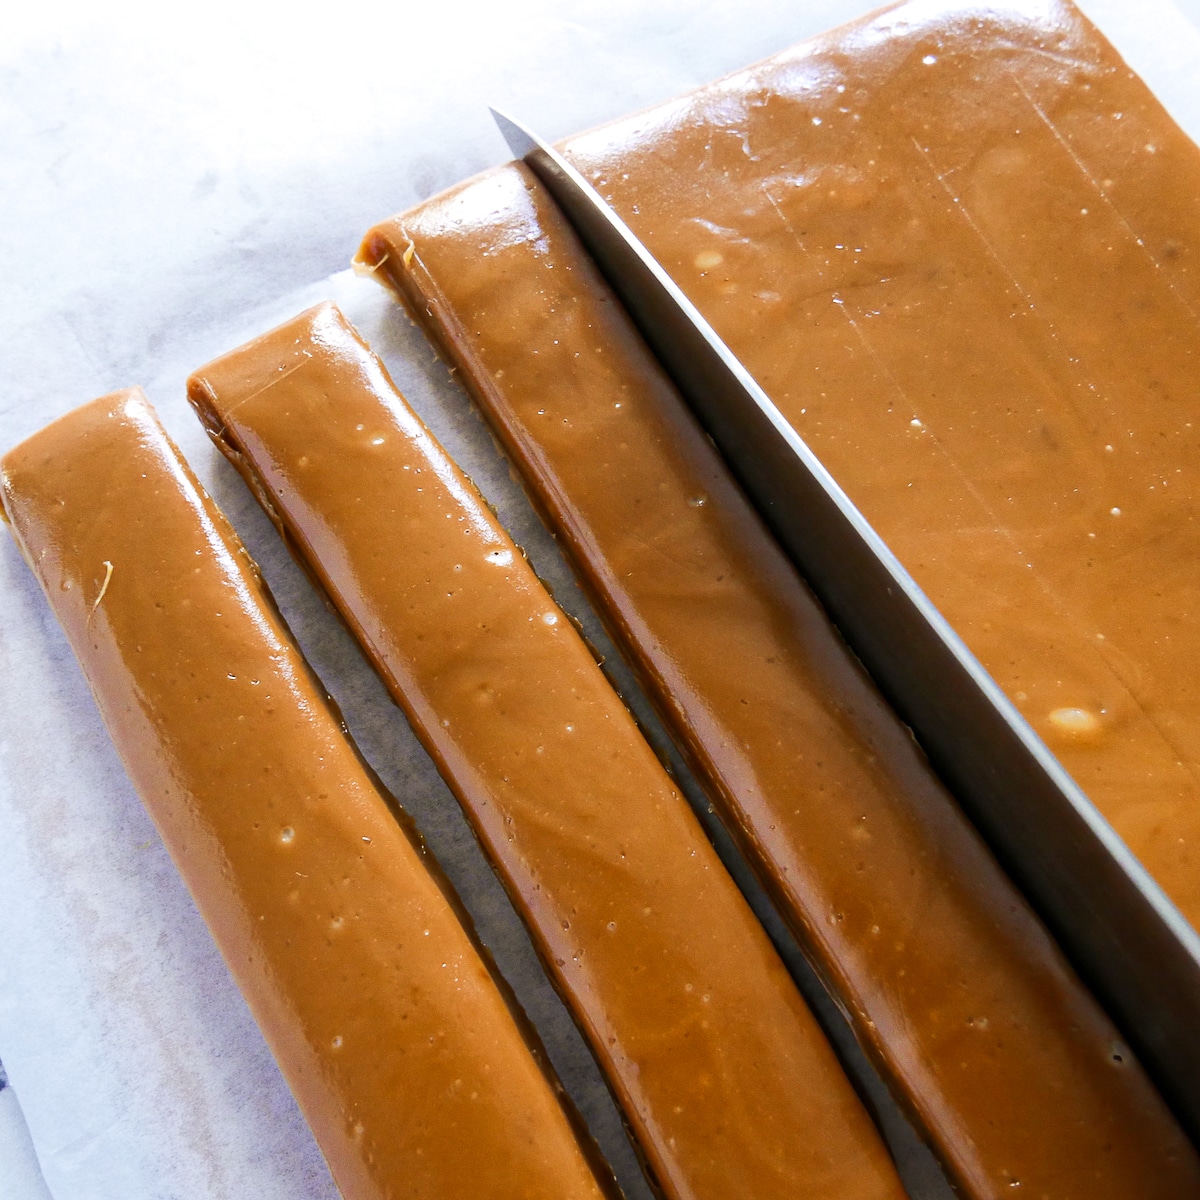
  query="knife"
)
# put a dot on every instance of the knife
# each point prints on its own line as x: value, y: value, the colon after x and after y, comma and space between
x: 1122, y: 934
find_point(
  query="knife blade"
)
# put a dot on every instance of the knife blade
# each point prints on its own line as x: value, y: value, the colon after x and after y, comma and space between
x: 1120, y: 930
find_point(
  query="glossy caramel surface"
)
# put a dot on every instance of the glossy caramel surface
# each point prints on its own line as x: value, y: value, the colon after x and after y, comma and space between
x: 954, y: 987
x: 404, y: 1057
x: 973, y: 234
x: 729, y: 1086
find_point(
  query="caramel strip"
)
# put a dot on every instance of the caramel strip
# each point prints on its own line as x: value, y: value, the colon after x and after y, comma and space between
x: 730, y: 1087
x: 388, y: 1026
x: 954, y: 988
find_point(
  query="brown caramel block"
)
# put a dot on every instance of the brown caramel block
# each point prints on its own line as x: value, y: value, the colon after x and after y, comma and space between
x: 729, y: 1085
x: 404, y: 1057
x: 954, y: 988
x: 973, y: 234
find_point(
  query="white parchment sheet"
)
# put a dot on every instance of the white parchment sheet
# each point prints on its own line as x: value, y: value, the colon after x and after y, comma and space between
x: 171, y: 184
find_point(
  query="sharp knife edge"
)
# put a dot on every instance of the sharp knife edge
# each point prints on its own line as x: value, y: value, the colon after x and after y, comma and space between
x: 1121, y: 932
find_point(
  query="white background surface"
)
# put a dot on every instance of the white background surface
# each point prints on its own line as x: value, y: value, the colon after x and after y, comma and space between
x: 172, y: 182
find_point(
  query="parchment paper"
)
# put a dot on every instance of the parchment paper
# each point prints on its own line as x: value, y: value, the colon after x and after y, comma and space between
x: 171, y: 184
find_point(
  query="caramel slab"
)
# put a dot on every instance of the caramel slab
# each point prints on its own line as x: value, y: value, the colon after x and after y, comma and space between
x: 728, y: 1084
x: 953, y: 986
x: 404, y: 1057
x: 973, y: 232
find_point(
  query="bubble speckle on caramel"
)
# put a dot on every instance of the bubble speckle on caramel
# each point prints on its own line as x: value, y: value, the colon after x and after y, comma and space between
x: 707, y: 259
x: 1075, y: 722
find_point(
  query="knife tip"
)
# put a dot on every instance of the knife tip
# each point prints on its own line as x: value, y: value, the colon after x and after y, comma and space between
x: 520, y: 140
